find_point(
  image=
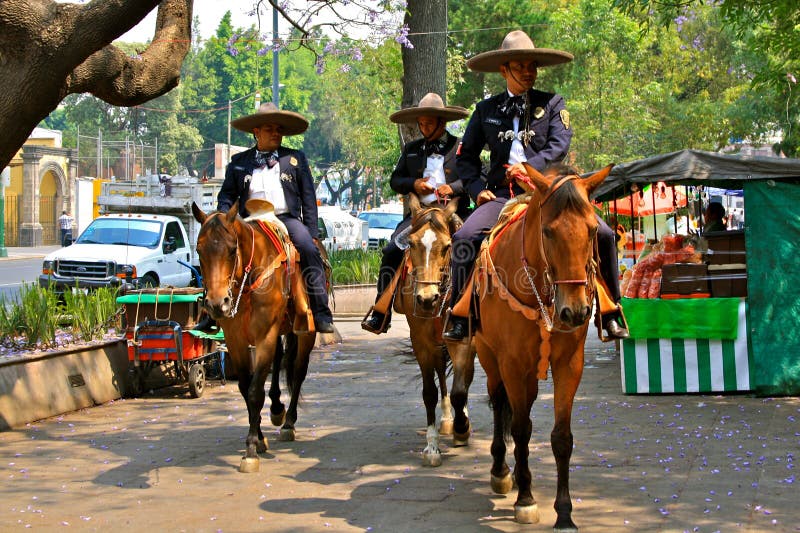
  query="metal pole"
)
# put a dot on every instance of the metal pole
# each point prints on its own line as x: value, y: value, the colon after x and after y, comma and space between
x: 228, y: 153
x: 99, y: 153
x: 4, y: 178
x: 275, y: 72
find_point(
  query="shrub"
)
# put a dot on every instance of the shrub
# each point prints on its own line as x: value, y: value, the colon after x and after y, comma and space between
x: 355, y: 266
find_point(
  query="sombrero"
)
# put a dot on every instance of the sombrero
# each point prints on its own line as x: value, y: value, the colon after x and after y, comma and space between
x: 293, y: 123
x: 431, y: 105
x: 517, y: 46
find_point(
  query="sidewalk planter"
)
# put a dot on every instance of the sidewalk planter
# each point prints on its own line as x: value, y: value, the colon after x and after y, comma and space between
x: 44, y: 384
x: 352, y: 300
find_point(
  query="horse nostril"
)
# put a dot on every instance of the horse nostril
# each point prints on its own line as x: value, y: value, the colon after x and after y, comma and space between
x: 587, y: 312
x: 566, y: 315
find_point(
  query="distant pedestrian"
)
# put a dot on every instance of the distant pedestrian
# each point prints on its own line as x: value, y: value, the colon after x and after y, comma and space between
x: 65, y: 222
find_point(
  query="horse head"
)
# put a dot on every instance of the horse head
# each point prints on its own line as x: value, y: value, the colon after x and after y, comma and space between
x: 218, y: 249
x: 559, y: 236
x: 429, y: 250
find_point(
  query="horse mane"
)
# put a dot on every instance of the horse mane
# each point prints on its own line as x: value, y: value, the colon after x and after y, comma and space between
x: 566, y: 197
x: 428, y: 216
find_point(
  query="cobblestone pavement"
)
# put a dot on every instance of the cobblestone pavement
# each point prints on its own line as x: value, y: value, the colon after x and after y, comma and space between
x: 166, y: 462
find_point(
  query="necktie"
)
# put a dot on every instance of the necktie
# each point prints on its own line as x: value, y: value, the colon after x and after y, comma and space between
x: 514, y: 106
x: 436, y: 147
x: 266, y: 158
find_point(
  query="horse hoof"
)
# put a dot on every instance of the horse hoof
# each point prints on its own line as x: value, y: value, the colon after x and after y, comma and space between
x: 249, y: 465
x: 278, y: 419
x: 286, y: 435
x: 501, y: 485
x: 461, y: 439
x: 567, y: 529
x: 446, y: 426
x: 262, y: 445
x: 526, y: 514
x: 431, y: 459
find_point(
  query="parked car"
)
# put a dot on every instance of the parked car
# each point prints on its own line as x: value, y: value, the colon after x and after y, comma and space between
x: 382, y: 223
x: 135, y: 250
x: 339, y: 230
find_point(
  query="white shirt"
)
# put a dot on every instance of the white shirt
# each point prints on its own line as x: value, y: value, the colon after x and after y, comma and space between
x: 517, y: 153
x: 265, y: 184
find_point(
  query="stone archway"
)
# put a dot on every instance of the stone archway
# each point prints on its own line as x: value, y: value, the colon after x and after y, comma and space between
x: 48, y: 166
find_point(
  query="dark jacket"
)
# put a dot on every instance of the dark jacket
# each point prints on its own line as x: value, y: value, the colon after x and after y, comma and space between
x: 296, y: 180
x: 412, y: 164
x: 550, y: 143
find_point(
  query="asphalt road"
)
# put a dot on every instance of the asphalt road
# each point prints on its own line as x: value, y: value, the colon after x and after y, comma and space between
x: 13, y: 272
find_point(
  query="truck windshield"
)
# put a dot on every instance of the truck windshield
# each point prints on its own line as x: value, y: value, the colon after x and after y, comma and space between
x: 145, y: 233
x: 382, y: 220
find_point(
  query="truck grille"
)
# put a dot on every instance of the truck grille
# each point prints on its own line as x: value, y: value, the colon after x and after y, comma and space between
x: 85, y: 269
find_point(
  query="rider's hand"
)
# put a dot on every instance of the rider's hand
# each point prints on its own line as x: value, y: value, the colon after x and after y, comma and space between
x: 484, y: 196
x: 421, y: 186
x: 445, y: 190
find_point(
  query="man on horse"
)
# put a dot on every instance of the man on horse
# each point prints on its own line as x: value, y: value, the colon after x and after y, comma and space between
x: 519, y: 125
x: 427, y: 168
x: 281, y: 175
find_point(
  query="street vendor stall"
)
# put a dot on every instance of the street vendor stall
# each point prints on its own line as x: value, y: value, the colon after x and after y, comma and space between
x: 738, y: 331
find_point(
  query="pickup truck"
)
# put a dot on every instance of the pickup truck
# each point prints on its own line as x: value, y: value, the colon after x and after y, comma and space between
x: 128, y: 250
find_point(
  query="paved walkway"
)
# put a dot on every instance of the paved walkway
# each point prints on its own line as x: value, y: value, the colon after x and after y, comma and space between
x: 32, y: 252
x: 166, y: 462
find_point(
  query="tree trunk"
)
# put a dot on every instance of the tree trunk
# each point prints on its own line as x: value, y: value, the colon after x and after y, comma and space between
x: 49, y: 50
x: 425, y: 65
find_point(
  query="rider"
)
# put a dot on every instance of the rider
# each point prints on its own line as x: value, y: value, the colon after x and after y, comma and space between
x: 426, y: 167
x: 521, y: 124
x: 282, y: 176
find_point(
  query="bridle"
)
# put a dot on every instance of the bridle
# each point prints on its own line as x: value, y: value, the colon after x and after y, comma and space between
x: 246, y: 271
x: 551, y: 285
x: 444, y: 282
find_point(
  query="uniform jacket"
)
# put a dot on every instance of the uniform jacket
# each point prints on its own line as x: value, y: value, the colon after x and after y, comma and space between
x: 296, y: 180
x: 412, y: 163
x: 549, y: 144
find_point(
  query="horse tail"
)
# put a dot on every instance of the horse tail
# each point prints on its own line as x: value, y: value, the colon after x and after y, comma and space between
x: 502, y: 408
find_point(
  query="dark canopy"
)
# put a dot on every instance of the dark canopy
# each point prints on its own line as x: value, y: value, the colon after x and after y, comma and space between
x: 695, y: 167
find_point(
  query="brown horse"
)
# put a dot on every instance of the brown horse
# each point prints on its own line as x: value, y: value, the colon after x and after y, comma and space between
x: 535, y: 284
x: 422, y: 294
x: 248, y: 279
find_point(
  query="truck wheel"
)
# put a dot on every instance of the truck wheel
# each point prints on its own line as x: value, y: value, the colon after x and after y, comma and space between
x: 197, y: 378
x: 148, y: 280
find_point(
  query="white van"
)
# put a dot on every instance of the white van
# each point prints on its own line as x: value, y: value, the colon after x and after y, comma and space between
x: 338, y: 230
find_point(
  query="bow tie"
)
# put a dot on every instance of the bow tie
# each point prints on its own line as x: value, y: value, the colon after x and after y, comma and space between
x: 514, y: 106
x: 436, y: 147
x: 266, y: 158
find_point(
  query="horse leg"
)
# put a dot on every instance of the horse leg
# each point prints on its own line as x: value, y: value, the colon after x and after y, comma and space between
x: 522, y: 392
x: 446, y: 421
x: 463, y: 357
x: 277, y: 410
x: 298, y: 349
x: 565, y: 384
x: 252, y: 388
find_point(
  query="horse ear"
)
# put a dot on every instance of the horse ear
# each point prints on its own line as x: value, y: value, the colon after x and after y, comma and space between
x: 596, y: 179
x: 451, y: 208
x: 232, y: 212
x: 198, y: 213
x: 539, y: 180
x: 413, y: 203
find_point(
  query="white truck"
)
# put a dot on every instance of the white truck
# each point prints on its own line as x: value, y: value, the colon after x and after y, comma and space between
x: 122, y: 250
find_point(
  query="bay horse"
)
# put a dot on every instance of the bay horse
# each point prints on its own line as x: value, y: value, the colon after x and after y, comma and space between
x: 422, y: 294
x: 535, y: 285
x: 251, y: 290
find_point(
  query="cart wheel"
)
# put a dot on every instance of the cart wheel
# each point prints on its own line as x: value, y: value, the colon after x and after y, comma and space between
x: 197, y: 379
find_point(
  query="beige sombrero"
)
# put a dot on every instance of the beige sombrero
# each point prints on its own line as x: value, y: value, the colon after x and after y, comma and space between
x: 431, y: 105
x: 517, y: 46
x: 293, y: 123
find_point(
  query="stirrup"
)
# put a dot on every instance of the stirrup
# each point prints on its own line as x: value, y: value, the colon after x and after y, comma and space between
x: 623, y: 320
x: 446, y: 323
x: 382, y: 329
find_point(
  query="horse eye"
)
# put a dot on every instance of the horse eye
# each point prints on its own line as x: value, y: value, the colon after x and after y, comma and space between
x: 548, y: 233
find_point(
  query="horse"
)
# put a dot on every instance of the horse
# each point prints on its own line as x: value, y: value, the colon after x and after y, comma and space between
x: 535, y: 284
x: 250, y: 281
x: 421, y: 296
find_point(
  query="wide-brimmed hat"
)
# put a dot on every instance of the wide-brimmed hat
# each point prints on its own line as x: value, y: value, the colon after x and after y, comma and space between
x: 293, y: 123
x: 431, y: 105
x: 517, y: 46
